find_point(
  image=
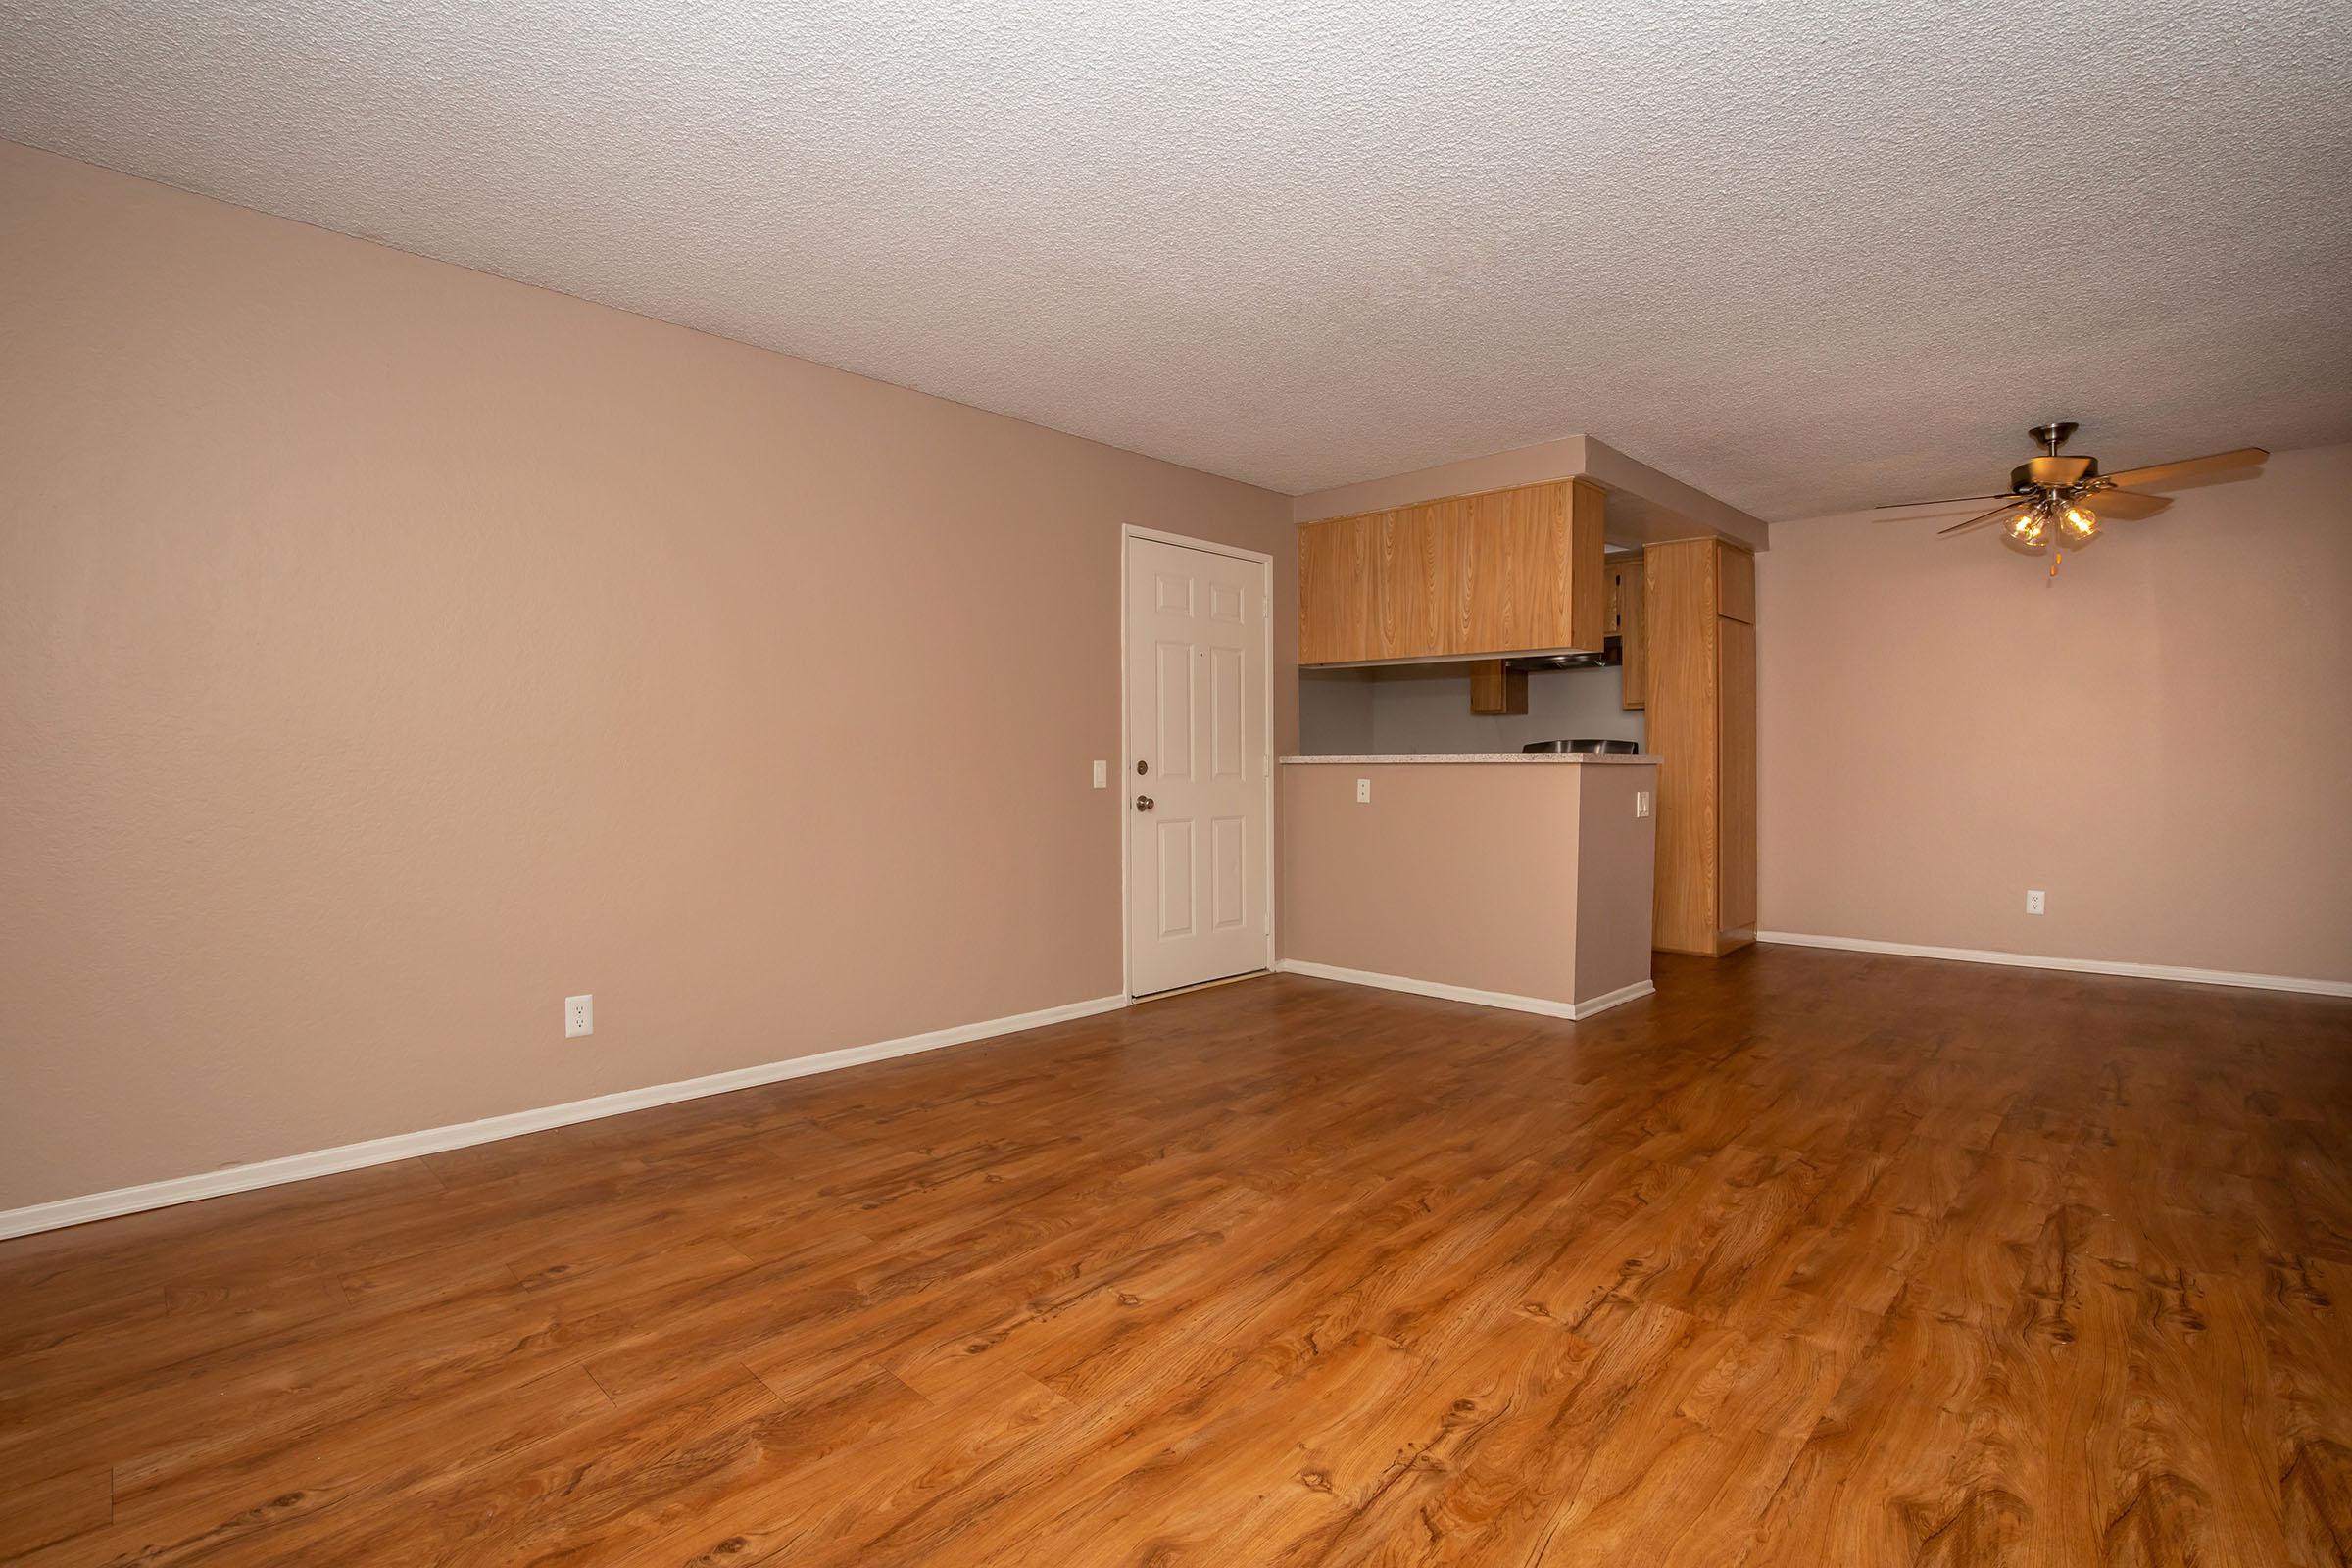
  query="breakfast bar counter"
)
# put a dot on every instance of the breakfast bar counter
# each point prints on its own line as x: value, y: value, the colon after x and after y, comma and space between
x: 1513, y: 879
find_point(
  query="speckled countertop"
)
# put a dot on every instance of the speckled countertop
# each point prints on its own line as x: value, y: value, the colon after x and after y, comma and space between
x: 1582, y: 758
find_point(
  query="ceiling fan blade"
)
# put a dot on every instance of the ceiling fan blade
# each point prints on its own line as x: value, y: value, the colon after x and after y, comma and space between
x: 2125, y: 506
x: 2006, y: 508
x: 2181, y: 469
x: 1945, y: 500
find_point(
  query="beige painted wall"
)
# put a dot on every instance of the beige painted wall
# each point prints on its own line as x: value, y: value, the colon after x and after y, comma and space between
x: 1616, y: 877
x: 2159, y: 738
x: 388, y: 650
x: 1498, y: 877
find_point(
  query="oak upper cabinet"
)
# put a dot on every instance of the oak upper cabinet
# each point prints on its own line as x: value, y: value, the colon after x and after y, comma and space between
x: 1416, y: 579
x: 1627, y: 619
x: 1699, y: 625
x: 1334, y: 589
x: 1504, y: 572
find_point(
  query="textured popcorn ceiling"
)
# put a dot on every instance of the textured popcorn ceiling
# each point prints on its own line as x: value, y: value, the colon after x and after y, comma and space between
x: 1805, y: 257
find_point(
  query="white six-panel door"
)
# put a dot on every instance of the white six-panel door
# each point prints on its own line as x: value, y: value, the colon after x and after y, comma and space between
x: 1199, y: 813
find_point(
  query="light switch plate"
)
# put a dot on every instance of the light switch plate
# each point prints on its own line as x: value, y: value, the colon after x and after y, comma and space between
x: 1641, y: 803
x: 1101, y: 776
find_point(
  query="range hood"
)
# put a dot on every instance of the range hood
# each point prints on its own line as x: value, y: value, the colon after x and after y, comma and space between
x: 1611, y: 655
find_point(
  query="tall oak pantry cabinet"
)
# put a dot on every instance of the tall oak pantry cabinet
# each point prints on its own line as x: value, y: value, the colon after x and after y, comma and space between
x: 1700, y: 595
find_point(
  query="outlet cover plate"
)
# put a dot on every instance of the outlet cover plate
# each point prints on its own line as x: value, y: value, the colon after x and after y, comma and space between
x: 579, y: 1016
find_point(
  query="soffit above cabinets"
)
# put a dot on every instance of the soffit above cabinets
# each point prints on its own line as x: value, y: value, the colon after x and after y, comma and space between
x: 1646, y: 506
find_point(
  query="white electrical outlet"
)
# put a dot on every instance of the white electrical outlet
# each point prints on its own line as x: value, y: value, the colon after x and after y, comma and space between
x: 2033, y: 904
x: 1101, y: 776
x: 579, y: 1016
x: 1641, y: 803
x: 1363, y: 792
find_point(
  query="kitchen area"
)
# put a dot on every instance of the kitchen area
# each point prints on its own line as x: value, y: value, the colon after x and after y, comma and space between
x: 1527, y: 721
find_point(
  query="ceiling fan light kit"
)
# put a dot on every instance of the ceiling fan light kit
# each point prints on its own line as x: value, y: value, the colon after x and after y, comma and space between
x: 2048, y: 505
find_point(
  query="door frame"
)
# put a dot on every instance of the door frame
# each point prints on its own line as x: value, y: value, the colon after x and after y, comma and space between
x: 1122, y: 776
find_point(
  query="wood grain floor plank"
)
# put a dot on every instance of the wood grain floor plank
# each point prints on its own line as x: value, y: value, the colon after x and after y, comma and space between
x: 1812, y: 1258
x: 38, y: 1510
x: 267, y: 1497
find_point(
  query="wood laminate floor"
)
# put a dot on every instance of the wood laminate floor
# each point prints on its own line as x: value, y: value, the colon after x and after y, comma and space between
x: 1813, y: 1258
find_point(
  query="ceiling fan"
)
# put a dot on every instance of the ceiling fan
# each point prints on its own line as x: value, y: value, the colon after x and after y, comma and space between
x: 2048, y: 505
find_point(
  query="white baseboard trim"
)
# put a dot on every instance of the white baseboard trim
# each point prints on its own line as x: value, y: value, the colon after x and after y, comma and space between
x: 2027, y: 960
x: 1484, y: 998
x: 1615, y: 999
x: 432, y: 1140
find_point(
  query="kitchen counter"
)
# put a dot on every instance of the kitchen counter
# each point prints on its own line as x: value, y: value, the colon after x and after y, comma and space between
x: 1523, y: 887
x: 1605, y: 758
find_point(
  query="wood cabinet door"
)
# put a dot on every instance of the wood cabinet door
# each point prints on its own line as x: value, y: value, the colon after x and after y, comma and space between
x: 1736, y: 778
x: 1684, y: 727
x: 1632, y: 636
x: 1416, y: 574
x: 1335, y: 591
x: 1533, y: 570
x: 1514, y: 587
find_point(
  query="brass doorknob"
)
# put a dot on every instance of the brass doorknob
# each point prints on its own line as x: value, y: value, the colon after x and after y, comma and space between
x: 1142, y: 802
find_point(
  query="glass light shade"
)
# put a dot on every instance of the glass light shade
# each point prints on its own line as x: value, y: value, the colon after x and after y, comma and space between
x: 2027, y: 527
x: 2079, y: 523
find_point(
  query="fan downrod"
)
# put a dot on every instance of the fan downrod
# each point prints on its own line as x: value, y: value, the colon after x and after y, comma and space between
x: 2054, y: 436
